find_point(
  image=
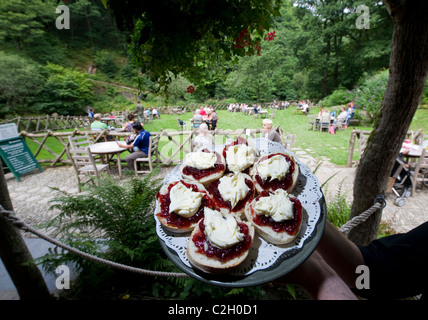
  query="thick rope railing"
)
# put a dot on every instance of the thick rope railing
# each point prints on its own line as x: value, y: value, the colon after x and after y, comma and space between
x: 9, y: 215
x: 379, y: 204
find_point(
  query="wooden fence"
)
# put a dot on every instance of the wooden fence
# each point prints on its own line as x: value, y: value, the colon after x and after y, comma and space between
x: 45, y: 123
x: 173, y: 145
x: 361, y: 137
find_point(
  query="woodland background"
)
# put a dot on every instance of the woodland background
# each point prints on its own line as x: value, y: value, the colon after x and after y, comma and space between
x: 317, y: 53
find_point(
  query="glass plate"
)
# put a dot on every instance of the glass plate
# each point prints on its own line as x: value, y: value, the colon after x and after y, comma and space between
x: 265, y: 262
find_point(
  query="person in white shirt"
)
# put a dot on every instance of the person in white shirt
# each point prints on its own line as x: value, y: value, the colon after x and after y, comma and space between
x: 203, y: 139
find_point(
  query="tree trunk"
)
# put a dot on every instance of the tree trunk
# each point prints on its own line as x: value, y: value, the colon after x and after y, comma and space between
x: 14, y: 253
x: 407, y: 75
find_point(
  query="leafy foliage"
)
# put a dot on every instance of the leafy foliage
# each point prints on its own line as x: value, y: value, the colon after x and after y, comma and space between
x: 369, y: 95
x: 122, y: 215
x: 336, y: 98
x: 20, y: 82
x: 65, y: 91
x: 173, y: 37
x: 23, y: 22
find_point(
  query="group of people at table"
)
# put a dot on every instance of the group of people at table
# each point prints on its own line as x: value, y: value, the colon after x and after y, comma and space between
x: 205, y: 115
x: 344, y: 117
x: 137, y: 143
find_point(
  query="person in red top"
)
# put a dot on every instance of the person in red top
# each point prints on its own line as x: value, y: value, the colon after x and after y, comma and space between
x: 203, y: 113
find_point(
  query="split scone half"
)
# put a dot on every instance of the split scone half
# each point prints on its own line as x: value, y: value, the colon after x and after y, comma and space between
x: 275, y: 171
x: 220, y: 242
x: 180, y: 205
x: 232, y: 192
x: 203, y: 166
x: 276, y: 215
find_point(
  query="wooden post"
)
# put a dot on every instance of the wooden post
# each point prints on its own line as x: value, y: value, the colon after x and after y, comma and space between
x: 351, y: 149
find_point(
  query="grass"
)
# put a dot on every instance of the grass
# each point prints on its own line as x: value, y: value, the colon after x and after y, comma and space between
x: 320, y: 145
x: 334, y: 147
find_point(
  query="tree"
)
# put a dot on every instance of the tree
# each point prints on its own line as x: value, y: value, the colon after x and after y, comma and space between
x: 332, y: 51
x: 20, y: 82
x: 65, y: 91
x: 23, y: 22
x: 172, y: 37
x: 15, y: 255
x: 407, y: 76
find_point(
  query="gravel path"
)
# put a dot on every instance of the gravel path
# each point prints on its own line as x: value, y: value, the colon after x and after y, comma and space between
x: 31, y: 197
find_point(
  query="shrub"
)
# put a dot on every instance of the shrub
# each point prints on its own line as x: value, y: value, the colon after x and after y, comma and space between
x: 65, y: 91
x: 20, y: 83
x: 369, y: 95
x: 104, y: 59
x: 337, y: 98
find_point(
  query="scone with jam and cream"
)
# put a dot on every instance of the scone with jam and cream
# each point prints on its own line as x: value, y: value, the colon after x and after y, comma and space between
x: 180, y: 205
x: 203, y: 166
x: 275, y: 171
x: 232, y: 192
x: 219, y: 242
x: 276, y: 215
x: 239, y: 156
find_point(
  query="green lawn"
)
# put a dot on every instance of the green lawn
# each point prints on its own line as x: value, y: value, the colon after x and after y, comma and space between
x: 334, y: 147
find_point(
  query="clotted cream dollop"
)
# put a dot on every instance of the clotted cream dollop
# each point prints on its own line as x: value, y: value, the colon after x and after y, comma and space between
x: 200, y: 160
x: 275, y: 167
x: 239, y: 157
x: 233, y: 188
x: 184, y: 201
x: 221, y: 230
x: 277, y: 205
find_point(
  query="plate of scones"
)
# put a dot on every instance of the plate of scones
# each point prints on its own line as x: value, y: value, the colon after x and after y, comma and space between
x: 240, y: 214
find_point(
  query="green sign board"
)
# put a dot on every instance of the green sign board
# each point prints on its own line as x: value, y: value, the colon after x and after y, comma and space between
x: 17, y: 156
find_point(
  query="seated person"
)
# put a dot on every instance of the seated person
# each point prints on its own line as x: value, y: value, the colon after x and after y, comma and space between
x: 269, y: 133
x: 203, y: 113
x: 140, y: 145
x: 197, y: 118
x: 155, y: 113
x: 213, y: 120
x: 203, y: 139
x: 351, y: 112
x: 323, y: 112
x: 91, y: 113
x: 127, y: 126
x: 343, y: 116
x: 97, y: 125
x: 305, y: 108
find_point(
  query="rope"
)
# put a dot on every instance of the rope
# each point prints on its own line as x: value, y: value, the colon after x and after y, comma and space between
x: 23, y: 226
x: 355, y: 221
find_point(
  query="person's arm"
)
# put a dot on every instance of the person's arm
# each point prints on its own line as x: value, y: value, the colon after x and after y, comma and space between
x: 329, y: 272
x: 131, y: 145
x: 340, y: 253
x: 320, y: 280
